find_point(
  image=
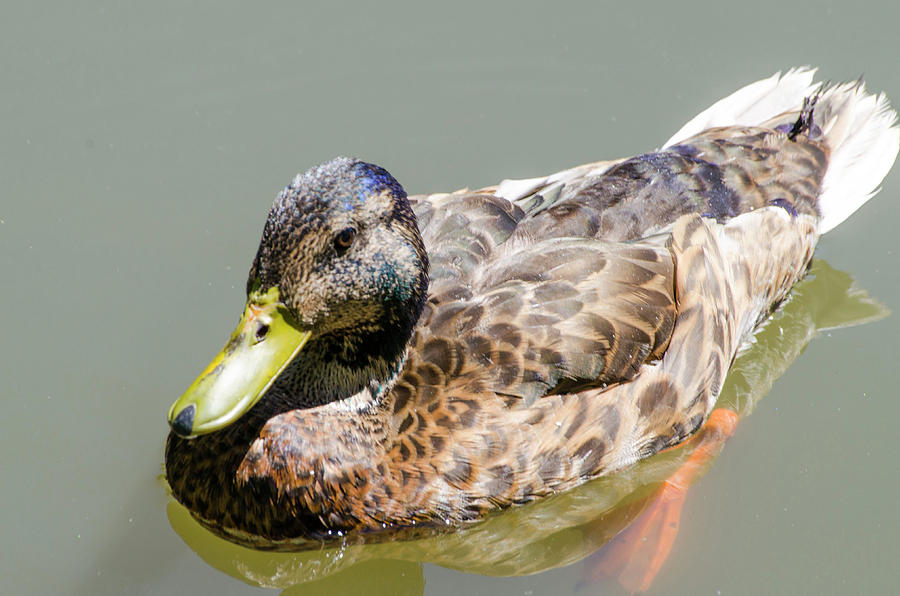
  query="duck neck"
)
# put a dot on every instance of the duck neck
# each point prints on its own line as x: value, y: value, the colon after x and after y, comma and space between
x: 357, y: 368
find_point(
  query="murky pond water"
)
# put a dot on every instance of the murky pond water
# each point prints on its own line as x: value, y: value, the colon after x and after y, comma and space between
x: 141, y: 148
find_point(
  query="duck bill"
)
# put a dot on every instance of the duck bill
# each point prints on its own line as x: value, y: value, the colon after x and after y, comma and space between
x: 263, y: 344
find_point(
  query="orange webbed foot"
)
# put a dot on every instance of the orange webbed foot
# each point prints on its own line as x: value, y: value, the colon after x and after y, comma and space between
x: 636, y: 555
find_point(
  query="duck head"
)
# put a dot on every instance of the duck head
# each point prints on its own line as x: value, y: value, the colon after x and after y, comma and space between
x: 337, y: 285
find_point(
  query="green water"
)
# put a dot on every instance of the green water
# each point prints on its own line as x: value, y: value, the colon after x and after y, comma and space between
x: 141, y: 146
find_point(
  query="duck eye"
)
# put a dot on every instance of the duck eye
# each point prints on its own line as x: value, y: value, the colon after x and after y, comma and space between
x: 261, y: 332
x: 344, y: 240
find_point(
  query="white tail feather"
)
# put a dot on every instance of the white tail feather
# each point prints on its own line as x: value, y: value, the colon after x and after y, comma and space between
x: 860, y: 130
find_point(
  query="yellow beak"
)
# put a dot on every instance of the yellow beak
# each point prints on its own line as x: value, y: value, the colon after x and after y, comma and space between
x: 261, y: 347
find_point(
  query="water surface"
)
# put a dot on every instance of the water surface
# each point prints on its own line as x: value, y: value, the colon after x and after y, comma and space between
x: 141, y: 147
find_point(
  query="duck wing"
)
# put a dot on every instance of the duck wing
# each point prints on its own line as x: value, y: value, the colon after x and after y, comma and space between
x: 523, y: 318
x: 569, y: 285
x: 566, y: 283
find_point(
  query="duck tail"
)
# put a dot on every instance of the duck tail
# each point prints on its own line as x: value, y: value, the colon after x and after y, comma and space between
x: 859, y: 128
x: 861, y: 132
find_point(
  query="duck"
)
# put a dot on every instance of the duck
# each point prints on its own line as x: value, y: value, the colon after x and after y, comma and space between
x: 409, y: 364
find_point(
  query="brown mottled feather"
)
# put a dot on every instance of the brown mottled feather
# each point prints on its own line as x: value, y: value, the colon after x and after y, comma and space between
x: 553, y: 316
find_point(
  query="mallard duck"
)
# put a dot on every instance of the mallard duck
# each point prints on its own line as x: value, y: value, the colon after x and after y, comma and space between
x: 408, y: 363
